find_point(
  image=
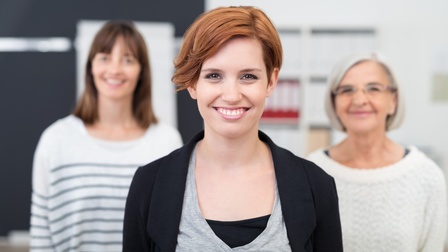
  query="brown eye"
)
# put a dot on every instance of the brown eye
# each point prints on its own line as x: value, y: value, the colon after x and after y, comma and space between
x: 212, y: 76
x: 249, y: 76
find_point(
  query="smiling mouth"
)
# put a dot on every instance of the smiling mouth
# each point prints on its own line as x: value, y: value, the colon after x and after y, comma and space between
x: 360, y: 112
x: 231, y: 112
x: 113, y: 82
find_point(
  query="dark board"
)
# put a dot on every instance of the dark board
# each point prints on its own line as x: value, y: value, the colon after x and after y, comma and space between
x: 38, y: 88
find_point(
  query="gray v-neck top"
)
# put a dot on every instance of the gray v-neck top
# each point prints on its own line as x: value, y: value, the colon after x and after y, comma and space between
x: 196, y: 235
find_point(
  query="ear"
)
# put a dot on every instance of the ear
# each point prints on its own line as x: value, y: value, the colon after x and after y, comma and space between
x: 192, y: 91
x: 272, y: 82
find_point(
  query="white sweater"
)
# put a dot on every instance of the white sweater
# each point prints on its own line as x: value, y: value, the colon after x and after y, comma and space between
x: 80, y: 185
x: 399, y: 208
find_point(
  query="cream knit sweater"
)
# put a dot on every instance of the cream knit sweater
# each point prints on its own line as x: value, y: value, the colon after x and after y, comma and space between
x: 401, y: 207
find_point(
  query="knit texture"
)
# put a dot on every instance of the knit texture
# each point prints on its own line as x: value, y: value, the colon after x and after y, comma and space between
x: 400, y: 208
x: 80, y: 185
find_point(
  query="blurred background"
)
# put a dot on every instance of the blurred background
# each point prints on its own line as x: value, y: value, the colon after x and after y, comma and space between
x: 43, y: 42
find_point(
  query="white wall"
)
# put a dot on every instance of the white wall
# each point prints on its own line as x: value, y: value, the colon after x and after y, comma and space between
x: 411, y: 34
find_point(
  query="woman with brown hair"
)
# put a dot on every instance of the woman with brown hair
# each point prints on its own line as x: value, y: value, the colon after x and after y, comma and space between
x: 84, y: 163
x: 231, y: 188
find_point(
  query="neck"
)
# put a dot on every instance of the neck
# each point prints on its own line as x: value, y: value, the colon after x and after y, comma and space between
x: 115, y: 122
x: 367, y: 151
x: 231, y: 153
x: 366, y: 146
x: 115, y: 114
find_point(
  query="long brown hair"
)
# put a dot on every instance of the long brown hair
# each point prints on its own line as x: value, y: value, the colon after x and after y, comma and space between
x: 104, y: 41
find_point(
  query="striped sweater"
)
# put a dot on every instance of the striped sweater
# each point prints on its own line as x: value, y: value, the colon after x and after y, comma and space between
x: 80, y: 185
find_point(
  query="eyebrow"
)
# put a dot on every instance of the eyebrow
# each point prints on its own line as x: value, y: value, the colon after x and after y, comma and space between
x: 368, y: 83
x: 124, y: 54
x: 219, y: 70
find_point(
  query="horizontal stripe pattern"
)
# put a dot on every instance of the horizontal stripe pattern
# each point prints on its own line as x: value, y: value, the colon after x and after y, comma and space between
x: 80, y: 185
x: 82, y: 197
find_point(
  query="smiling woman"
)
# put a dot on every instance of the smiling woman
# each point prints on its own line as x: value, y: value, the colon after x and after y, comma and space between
x: 84, y: 162
x: 231, y: 188
x: 232, y: 88
x: 392, y: 197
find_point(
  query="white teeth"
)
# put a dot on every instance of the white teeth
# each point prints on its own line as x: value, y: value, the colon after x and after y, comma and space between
x: 113, y: 81
x: 231, y: 112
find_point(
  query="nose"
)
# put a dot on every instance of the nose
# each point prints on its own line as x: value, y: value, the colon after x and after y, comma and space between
x: 231, y: 92
x: 115, y: 66
x: 360, y: 97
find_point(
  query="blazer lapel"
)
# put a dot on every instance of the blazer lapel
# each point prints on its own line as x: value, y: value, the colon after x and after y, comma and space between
x: 168, y: 195
x: 295, y: 196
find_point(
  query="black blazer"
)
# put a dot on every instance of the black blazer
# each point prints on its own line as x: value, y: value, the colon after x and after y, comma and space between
x: 307, y: 194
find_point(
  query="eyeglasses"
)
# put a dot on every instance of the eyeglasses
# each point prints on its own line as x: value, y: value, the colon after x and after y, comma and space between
x: 371, y: 89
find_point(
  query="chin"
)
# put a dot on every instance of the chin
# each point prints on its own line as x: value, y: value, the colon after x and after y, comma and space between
x: 233, y: 131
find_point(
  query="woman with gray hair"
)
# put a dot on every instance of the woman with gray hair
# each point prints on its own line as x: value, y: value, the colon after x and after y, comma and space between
x: 391, y: 198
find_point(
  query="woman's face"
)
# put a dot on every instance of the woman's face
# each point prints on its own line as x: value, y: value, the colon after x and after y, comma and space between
x: 232, y: 88
x: 364, y: 99
x: 116, y: 74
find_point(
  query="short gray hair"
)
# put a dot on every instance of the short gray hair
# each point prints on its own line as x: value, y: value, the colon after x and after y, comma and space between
x: 338, y: 72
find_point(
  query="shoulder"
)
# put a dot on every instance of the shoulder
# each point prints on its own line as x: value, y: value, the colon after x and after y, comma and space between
x: 162, y: 127
x: 161, y: 170
x: 420, y: 158
x: 150, y: 170
x: 315, y: 174
x: 62, y: 126
x: 164, y: 131
x: 145, y: 175
x: 317, y: 155
x: 295, y: 174
x: 320, y: 158
x: 308, y: 164
x: 313, y: 168
x: 141, y: 188
x: 60, y: 130
x: 167, y: 168
x: 144, y: 178
x: 426, y: 169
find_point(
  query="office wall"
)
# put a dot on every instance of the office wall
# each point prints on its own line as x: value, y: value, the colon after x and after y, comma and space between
x: 39, y: 87
x: 413, y: 36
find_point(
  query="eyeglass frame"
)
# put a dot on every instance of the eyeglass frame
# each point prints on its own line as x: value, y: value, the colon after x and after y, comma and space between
x: 381, y: 89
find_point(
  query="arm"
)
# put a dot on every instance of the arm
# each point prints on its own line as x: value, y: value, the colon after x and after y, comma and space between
x: 40, y: 240
x: 327, y: 235
x: 435, y: 219
x: 135, y: 235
